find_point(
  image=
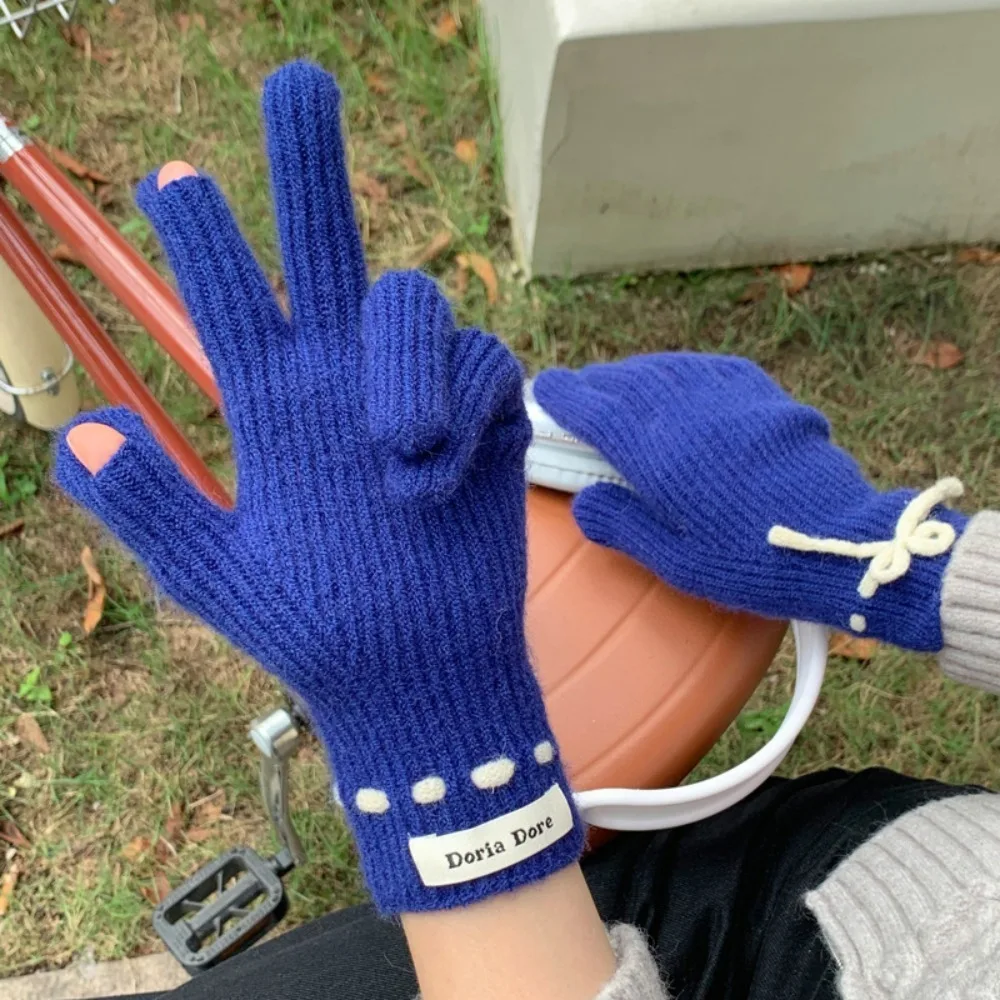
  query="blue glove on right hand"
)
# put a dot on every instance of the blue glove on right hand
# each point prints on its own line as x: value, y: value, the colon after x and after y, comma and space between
x: 375, y: 559
x: 741, y: 498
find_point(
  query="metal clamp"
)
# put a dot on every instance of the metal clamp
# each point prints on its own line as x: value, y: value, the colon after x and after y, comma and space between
x: 11, y: 141
x: 50, y: 380
x: 277, y: 738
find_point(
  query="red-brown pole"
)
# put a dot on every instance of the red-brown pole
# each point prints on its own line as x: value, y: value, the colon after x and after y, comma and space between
x: 102, y: 248
x: 94, y: 349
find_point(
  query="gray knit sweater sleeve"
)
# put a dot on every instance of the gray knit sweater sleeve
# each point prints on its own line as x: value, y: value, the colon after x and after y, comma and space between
x: 636, y: 975
x: 970, y: 605
x: 914, y: 913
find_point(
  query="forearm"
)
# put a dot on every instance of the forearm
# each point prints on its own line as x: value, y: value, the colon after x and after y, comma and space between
x: 545, y: 941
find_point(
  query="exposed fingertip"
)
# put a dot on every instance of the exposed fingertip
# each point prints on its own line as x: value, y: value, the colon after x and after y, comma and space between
x: 174, y: 171
x: 94, y: 445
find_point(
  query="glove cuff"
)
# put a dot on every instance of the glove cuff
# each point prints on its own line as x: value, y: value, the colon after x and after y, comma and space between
x: 454, y: 801
x: 877, y: 568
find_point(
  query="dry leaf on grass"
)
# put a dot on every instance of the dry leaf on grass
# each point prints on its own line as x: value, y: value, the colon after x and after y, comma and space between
x: 432, y: 249
x: 79, y: 37
x: 135, y: 848
x: 378, y: 84
x: 396, y: 134
x: 210, y: 801
x: 940, y: 354
x: 372, y: 189
x: 206, y: 812
x: 484, y: 271
x: 174, y: 825
x: 63, y: 253
x: 198, y: 834
x: 12, y: 528
x: 7, y: 883
x: 30, y: 732
x: 756, y: 291
x: 164, y: 851
x: 96, y: 591
x: 72, y: 164
x: 158, y: 891
x: 211, y: 813
x: 467, y: 151
x: 12, y: 835
x: 184, y: 22
x: 446, y: 27
x: 977, y: 255
x: 413, y: 168
x: 794, y: 277
x: 851, y: 647
x: 461, y: 279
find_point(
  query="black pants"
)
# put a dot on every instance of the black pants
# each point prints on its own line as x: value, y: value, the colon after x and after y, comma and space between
x: 721, y: 902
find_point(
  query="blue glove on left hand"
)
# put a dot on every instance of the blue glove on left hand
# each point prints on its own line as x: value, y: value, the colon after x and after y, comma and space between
x: 375, y: 559
x: 740, y: 497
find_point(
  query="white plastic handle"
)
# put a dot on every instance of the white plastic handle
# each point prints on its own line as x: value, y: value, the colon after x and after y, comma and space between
x: 558, y: 460
x: 662, y: 808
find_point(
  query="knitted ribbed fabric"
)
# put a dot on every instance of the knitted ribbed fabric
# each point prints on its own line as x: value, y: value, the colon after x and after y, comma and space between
x: 375, y: 560
x: 970, y: 606
x: 914, y: 913
x: 718, y: 455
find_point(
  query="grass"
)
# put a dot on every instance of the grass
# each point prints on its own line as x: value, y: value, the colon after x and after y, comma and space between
x: 149, y: 714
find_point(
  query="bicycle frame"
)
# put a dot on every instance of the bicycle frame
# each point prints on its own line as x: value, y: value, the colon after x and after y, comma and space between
x: 123, y: 272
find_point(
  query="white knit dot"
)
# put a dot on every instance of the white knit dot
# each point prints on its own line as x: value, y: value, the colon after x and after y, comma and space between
x: 858, y: 623
x: 429, y: 790
x: 494, y: 773
x: 545, y: 752
x: 335, y: 791
x: 372, y: 800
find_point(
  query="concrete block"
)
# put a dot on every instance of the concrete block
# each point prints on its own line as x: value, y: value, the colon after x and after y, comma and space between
x: 678, y: 134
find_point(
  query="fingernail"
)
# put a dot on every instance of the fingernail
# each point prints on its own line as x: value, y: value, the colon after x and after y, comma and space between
x: 173, y: 171
x: 94, y: 445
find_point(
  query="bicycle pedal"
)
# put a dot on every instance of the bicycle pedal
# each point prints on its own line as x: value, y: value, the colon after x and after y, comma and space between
x: 222, y: 909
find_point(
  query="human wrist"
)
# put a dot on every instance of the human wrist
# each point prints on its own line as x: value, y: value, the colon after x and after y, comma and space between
x: 543, y: 940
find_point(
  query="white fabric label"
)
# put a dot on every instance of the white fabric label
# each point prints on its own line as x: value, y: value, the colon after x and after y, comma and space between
x: 450, y: 858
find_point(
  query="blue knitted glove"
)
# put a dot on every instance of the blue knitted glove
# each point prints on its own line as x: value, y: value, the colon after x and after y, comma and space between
x: 375, y: 559
x: 740, y: 497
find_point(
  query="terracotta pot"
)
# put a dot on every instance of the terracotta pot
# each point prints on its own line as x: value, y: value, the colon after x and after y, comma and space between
x: 640, y: 680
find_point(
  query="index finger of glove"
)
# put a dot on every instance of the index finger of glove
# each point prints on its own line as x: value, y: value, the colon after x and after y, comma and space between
x: 226, y: 293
